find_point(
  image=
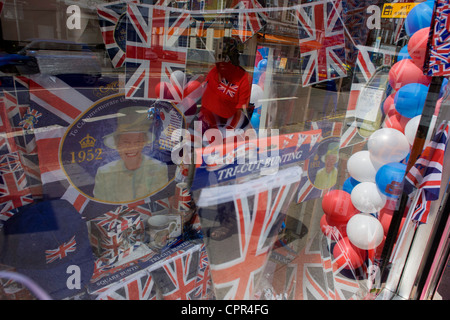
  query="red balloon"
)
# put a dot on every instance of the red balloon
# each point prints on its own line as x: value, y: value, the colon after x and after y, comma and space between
x: 386, y: 218
x: 438, y: 107
x: 405, y: 72
x: 338, y: 206
x: 344, y: 250
x: 390, y: 205
x: 417, y: 46
x: 324, y: 226
x: 165, y: 94
x: 327, y: 226
x: 158, y: 89
x: 396, y: 121
x: 190, y: 87
x: 388, y: 104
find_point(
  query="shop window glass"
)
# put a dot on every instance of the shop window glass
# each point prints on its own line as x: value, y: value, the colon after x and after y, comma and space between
x: 199, y: 149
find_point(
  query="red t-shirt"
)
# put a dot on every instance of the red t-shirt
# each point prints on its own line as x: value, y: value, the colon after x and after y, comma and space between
x: 228, y: 89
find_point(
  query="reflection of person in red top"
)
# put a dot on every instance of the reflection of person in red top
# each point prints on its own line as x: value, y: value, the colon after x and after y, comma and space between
x: 226, y: 97
x: 228, y: 89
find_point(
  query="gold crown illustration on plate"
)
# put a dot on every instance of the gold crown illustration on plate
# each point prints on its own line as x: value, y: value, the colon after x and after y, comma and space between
x: 87, y: 142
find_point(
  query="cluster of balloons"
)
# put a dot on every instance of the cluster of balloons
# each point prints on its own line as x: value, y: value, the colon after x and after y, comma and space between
x: 257, y: 91
x: 406, y: 77
x: 363, y: 209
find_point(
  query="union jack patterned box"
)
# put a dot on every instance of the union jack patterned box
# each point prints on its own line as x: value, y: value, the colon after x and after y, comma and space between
x: 115, y: 234
x: 139, y: 286
x: 181, y: 272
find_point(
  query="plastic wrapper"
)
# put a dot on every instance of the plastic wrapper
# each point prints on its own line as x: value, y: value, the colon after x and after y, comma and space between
x: 255, y: 209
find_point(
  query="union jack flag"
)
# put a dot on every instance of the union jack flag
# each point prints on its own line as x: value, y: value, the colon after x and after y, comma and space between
x: 156, y: 47
x: 8, y: 214
x: 118, y: 220
x: 115, y: 248
x: 112, y: 20
x: 247, y: 22
x: 313, y: 273
x: 283, y: 273
x: 177, y: 279
x: 203, y: 282
x: 426, y: 174
x: 138, y: 287
x: 183, y: 198
x: 17, y: 103
x: 259, y: 212
x: 340, y: 280
x: 321, y: 40
x: 227, y: 88
x: 438, y: 55
x: 14, y: 191
x: 61, y: 252
x: 7, y: 143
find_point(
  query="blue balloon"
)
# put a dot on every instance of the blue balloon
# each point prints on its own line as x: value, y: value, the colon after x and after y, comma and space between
x: 443, y: 87
x: 403, y: 54
x: 262, y: 65
x: 405, y: 161
x: 349, y: 184
x: 255, y: 119
x: 264, y: 51
x: 419, y: 17
x: 256, y: 75
x: 410, y: 99
x: 389, y: 179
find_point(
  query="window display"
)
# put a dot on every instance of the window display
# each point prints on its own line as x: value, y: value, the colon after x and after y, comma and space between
x: 216, y: 150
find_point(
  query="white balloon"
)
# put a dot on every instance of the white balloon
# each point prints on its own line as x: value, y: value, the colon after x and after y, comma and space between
x: 387, y: 145
x: 365, y: 231
x: 256, y: 95
x: 413, y: 124
x: 360, y: 167
x: 411, y: 129
x: 367, y: 198
x: 178, y: 79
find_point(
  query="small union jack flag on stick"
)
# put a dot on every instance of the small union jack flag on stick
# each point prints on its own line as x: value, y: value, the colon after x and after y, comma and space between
x: 426, y: 174
x: 438, y: 49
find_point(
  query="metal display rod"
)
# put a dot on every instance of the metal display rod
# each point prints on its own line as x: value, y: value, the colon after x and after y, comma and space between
x: 437, y: 237
x: 416, y: 150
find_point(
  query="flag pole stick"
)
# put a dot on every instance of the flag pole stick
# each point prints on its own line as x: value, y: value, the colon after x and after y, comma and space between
x: 416, y: 150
